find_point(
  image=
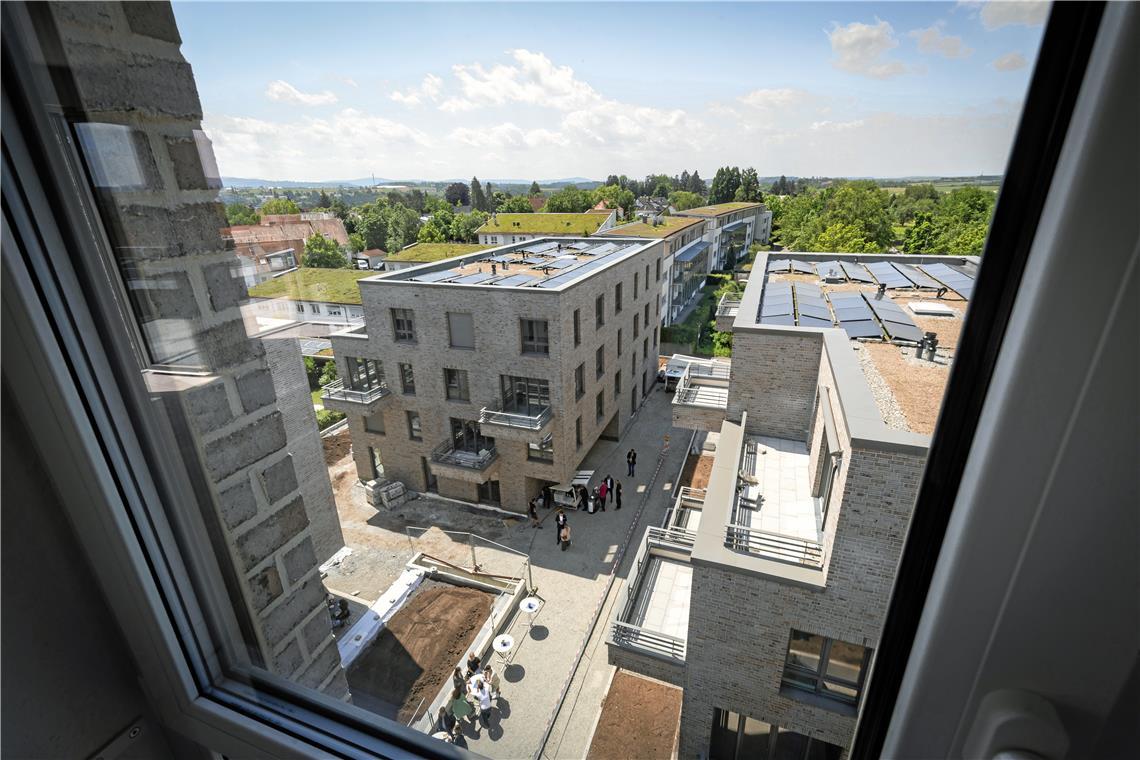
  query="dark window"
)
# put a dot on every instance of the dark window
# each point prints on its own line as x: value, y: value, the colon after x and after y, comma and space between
x: 461, y: 330
x: 578, y: 433
x: 635, y: 286
x: 455, y: 380
x: 403, y: 325
x: 599, y: 311
x: 415, y: 432
x: 619, y: 342
x: 524, y: 395
x: 647, y: 277
x: 739, y: 737
x: 646, y: 316
x: 617, y: 298
x: 407, y: 380
x: 364, y: 374
x: 825, y: 667
x: 374, y: 423
x: 600, y: 405
x: 315, y: 308
x: 579, y: 381
x: 577, y: 327
x: 645, y: 348
x: 657, y: 271
x: 636, y: 326
x: 617, y: 385
x: 535, y: 337
x: 600, y: 361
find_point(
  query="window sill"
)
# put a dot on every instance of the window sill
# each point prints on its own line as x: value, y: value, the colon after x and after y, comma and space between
x: 818, y: 700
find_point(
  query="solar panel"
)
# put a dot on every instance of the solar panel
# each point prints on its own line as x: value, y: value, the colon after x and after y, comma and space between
x: 888, y: 275
x: 575, y: 272
x: 548, y: 245
x: 915, y: 275
x: 603, y: 248
x: 962, y: 284
x: 819, y: 312
x: 501, y: 258
x: 434, y: 276
x: 474, y: 279
x: 808, y: 321
x: 863, y: 328
x: 830, y: 270
x: 581, y: 245
x: 802, y: 267
x: 779, y: 265
x: 804, y: 289
x: 560, y: 263
x: 895, y: 321
x: 779, y: 319
x: 855, y: 272
x: 514, y: 280
x: 854, y: 316
x: 535, y: 260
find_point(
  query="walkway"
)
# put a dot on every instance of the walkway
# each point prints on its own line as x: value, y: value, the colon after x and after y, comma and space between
x: 574, y: 584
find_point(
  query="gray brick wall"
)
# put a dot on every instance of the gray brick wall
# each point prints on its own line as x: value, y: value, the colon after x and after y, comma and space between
x: 773, y: 379
x: 129, y: 71
x: 646, y: 665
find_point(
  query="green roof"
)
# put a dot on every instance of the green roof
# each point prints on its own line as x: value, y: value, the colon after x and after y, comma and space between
x: 668, y: 226
x: 543, y: 223
x: 313, y: 284
x: 718, y: 209
x: 435, y: 251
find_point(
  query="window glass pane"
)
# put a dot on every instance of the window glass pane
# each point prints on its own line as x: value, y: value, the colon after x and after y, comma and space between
x: 754, y: 739
x: 722, y: 743
x: 804, y: 650
x: 845, y: 661
x: 790, y: 746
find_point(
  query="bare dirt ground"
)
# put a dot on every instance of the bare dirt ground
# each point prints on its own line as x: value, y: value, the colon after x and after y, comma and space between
x: 697, y: 470
x: 639, y: 720
x: 416, y: 652
x: 337, y: 446
x: 917, y: 389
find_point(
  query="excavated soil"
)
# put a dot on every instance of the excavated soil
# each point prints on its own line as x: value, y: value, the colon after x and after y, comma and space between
x: 415, y: 654
x: 337, y: 447
x: 697, y: 470
x: 639, y: 720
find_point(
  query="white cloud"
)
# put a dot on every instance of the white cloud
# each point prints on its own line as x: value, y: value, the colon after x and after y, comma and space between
x: 773, y: 98
x: 286, y: 93
x: 860, y: 49
x: 429, y: 89
x: 506, y: 135
x: 1010, y: 62
x: 350, y: 82
x: 1014, y: 12
x: 835, y: 126
x: 932, y: 41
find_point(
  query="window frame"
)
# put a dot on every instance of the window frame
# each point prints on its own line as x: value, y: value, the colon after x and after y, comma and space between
x: 400, y: 335
x: 599, y: 311
x: 819, y: 677
x: 461, y: 385
x: 580, y: 381
x: 407, y: 378
x: 411, y: 415
x: 534, y: 345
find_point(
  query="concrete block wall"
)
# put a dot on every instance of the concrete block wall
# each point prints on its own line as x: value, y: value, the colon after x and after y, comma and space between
x: 128, y: 70
x: 773, y: 379
x: 646, y: 665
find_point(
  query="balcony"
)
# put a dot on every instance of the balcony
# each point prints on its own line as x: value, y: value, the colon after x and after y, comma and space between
x: 726, y: 311
x: 773, y: 514
x: 702, y: 396
x: 447, y: 461
x: 352, y: 400
x: 515, y: 423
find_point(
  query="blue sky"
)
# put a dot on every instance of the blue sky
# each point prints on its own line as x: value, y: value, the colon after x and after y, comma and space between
x: 322, y: 91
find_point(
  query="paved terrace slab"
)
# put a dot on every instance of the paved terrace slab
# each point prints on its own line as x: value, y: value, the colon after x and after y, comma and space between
x: 574, y: 585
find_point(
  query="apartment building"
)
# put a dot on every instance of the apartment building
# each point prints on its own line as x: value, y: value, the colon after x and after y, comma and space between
x: 487, y: 376
x: 321, y: 296
x: 763, y: 593
x: 503, y: 229
x: 730, y: 228
x: 684, y: 258
x: 277, y: 242
x: 422, y: 253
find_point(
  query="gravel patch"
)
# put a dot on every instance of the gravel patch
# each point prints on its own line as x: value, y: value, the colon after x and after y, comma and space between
x: 888, y: 406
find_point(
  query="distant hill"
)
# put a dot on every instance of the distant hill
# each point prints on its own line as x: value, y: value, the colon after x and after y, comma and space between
x: 248, y: 182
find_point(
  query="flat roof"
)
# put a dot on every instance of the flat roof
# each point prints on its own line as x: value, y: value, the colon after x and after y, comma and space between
x: 435, y: 251
x: 313, y: 284
x: 719, y: 209
x: 545, y: 224
x: 668, y: 226
x: 540, y: 264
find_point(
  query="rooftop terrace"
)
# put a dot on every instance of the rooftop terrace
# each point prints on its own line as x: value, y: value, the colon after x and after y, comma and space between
x: 545, y: 224
x: 541, y: 264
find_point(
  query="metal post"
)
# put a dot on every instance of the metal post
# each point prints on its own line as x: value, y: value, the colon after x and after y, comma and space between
x: 471, y: 542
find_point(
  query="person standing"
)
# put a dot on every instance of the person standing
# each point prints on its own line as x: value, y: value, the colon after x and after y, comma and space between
x: 491, y: 678
x: 445, y: 721
x: 617, y: 494
x: 457, y: 679
x: 482, y: 694
x: 472, y: 664
x: 559, y: 524
x: 631, y: 461
x: 532, y: 512
x: 460, y: 707
x: 602, y: 491
x: 609, y: 481
x: 564, y: 536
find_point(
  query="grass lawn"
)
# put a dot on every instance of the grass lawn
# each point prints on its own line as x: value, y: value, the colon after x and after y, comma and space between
x: 719, y: 208
x: 668, y: 225
x: 424, y: 252
x: 551, y: 224
x: 317, y: 398
x: 314, y: 284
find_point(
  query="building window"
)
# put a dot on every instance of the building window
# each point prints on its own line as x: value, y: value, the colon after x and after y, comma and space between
x: 455, y: 380
x: 579, y: 381
x: 600, y: 361
x: 657, y: 270
x: 619, y: 342
x: 647, y: 277
x: 403, y: 325
x: 617, y: 385
x: 541, y: 452
x: 600, y: 405
x: 535, y: 336
x: 407, y: 380
x: 599, y: 311
x: 635, y: 286
x: 577, y: 327
x: 415, y: 432
x: 315, y: 308
x: 364, y: 374
x: 617, y: 298
x: 374, y: 423
x: 528, y: 396
x: 578, y: 433
x: 827, y: 668
x: 461, y: 330
x: 739, y: 737
x: 654, y: 337
x: 645, y: 348
x: 646, y: 316
x: 301, y: 308
x: 334, y: 311
x: 636, y: 326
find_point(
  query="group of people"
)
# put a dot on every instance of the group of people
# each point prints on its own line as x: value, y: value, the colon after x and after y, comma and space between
x: 471, y: 697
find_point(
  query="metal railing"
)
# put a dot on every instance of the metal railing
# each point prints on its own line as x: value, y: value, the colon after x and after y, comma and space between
x: 636, y: 637
x: 774, y: 546
x: 729, y: 305
x: 672, y: 538
x: 446, y: 453
x: 497, y: 415
x: 336, y: 390
x: 710, y: 370
x: 695, y: 393
x: 686, y: 498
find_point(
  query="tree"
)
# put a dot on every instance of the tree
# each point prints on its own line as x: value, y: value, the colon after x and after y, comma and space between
x: 463, y: 227
x: 431, y: 232
x: 683, y: 182
x: 239, y: 213
x: 323, y: 253
x: 329, y: 373
x: 844, y: 238
x: 696, y: 184
x: 569, y: 200
x: 614, y: 197
x: 323, y: 200
x: 497, y: 199
x: 312, y: 372
x: 516, y: 204
x: 683, y: 200
x: 749, y: 189
x: 535, y: 189
x: 403, y: 225
x: 478, y: 200
x: 724, y: 185
x: 612, y: 180
x: 279, y: 206
x: 457, y: 194
x: 356, y: 242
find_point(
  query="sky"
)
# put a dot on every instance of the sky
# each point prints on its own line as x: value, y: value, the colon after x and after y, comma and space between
x: 337, y: 91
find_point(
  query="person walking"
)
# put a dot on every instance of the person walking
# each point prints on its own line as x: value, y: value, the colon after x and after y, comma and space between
x: 532, y: 512
x: 457, y: 679
x: 559, y: 523
x: 609, y: 481
x: 617, y: 494
x: 631, y: 460
x: 564, y: 536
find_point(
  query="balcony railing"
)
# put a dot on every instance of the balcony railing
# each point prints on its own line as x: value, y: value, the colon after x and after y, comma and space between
x: 687, y: 499
x: 446, y: 453
x: 693, y: 392
x: 729, y: 306
x: 337, y: 392
x: 497, y: 415
x: 774, y: 546
x: 636, y: 637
